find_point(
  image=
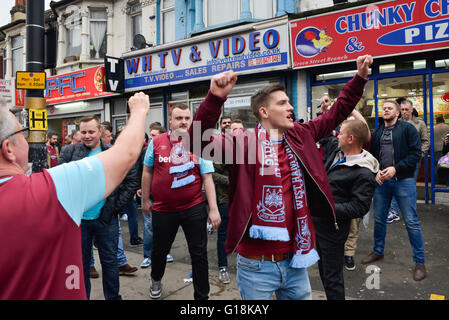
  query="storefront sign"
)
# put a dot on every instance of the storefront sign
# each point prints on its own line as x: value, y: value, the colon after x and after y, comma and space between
x: 78, y: 85
x: 382, y: 29
x: 114, y: 77
x: 5, y: 88
x: 257, y: 51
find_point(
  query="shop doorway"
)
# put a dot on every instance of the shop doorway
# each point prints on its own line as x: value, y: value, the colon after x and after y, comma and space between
x: 424, y: 83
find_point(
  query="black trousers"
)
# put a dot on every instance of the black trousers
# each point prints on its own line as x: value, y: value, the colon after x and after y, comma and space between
x: 330, y: 245
x: 193, y: 222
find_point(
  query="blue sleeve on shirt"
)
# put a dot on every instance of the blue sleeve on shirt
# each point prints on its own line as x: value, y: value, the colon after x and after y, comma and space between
x: 149, y: 155
x: 206, y: 166
x: 80, y: 185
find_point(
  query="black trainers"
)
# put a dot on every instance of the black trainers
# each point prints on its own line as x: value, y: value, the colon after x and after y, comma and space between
x: 137, y: 242
x: 349, y: 263
x: 155, y: 289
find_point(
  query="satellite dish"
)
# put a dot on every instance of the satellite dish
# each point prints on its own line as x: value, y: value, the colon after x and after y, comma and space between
x: 139, y: 42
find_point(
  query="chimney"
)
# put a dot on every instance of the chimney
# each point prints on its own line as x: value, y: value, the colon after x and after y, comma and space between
x: 18, y: 11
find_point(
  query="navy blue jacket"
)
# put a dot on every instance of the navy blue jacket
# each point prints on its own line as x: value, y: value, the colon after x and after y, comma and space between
x: 406, y: 145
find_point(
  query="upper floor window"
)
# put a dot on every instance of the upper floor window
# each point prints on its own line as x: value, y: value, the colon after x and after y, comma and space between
x: 17, y: 54
x: 136, y: 19
x: 72, y: 25
x: 98, y: 27
x: 219, y: 12
x: 167, y: 21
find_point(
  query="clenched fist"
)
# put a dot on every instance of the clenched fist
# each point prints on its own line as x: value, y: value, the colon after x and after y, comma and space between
x: 363, y: 64
x: 221, y: 84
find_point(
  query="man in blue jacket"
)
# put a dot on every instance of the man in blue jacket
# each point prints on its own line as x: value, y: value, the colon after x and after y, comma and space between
x: 397, y: 147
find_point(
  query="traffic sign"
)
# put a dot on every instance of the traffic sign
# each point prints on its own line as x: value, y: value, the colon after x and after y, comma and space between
x: 38, y: 119
x: 30, y: 80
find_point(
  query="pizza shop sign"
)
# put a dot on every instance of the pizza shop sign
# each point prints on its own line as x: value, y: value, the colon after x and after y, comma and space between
x: 265, y: 49
x: 382, y: 29
x: 78, y: 85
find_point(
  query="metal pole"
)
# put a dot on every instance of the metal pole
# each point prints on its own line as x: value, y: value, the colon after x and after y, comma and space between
x: 35, y: 32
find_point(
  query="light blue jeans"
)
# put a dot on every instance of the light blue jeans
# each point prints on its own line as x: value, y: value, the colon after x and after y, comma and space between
x: 405, y: 192
x: 394, y: 203
x: 258, y: 280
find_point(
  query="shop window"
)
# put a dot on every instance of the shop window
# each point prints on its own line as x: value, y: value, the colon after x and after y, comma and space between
x: 337, y: 75
x: 394, y: 88
x: 444, y: 63
x: 167, y: 21
x: 17, y: 54
x: 72, y: 25
x: 365, y: 106
x: 403, y: 66
x: 440, y: 92
x: 98, y: 27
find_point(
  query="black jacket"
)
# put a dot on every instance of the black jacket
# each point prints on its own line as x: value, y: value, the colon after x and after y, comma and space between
x: 120, y: 196
x: 406, y: 146
x: 352, y: 183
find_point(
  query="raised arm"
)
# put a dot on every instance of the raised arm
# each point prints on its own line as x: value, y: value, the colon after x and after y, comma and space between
x: 345, y: 103
x: 120, y: 158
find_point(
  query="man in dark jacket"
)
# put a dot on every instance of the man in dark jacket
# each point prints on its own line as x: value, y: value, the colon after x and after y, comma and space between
x: 397, y: 147
x: 101, y: 221
x: 351, y: 172
x: 288, y: 150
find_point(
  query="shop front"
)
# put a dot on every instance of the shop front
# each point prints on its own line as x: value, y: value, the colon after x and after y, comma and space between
x: 409, y: 41
x: 180, y: 72
x: 73, y: 95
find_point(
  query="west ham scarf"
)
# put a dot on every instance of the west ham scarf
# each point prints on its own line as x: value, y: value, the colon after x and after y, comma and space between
x: 268, y: 218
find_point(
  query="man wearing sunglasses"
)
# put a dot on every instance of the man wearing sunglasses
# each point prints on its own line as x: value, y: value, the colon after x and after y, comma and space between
x: 40, y: 214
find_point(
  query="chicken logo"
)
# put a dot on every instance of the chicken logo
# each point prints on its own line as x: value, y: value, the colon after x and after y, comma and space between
x: 312, y: 41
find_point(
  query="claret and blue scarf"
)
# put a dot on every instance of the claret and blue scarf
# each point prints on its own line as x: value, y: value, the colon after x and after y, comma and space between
x: 268, y: 219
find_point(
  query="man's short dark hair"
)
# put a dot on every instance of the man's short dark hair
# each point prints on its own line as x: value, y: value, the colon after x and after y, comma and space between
x: 440, y: 119
x: 260, y: 98
x: 225, y: 117
x: 51, y: 134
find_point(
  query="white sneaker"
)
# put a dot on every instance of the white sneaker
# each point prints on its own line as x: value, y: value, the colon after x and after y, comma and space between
x: 124, y: 217
x: 224, y: 276
x: 170, y: 258
x: 145, y: 263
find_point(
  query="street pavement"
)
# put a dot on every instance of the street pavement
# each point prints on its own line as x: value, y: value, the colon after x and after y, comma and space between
x: 393, y: 282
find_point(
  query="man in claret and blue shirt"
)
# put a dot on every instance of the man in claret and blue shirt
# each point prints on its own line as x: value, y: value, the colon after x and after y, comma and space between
x: 174, y: 176
x: 41, y: 257
x: 272, y: 198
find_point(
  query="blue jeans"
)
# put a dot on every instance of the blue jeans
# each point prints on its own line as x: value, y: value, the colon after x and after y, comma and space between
x: 131, y: 210
x: 121, y: 257
x: 394, y: 202
x: 106, y: 238
x: 147, y: 235
x: 258, y: 280
x: 221, y: 236
x: 405, y: 192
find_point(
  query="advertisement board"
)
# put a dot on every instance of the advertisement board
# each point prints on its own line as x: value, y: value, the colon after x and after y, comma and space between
x: 381, y: 29
x: 79, y: 85
x: 256, y: 51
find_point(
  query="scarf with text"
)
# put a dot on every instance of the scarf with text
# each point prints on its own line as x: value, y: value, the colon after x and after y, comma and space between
x: 268, y: 218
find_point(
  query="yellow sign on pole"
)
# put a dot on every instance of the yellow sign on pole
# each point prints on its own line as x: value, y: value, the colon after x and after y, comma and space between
x: 434, y: 296
x: 30, y: 80
x: 38, y: 119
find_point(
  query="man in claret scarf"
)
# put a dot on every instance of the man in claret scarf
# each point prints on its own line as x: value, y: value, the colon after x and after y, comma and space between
x: 276, y: 186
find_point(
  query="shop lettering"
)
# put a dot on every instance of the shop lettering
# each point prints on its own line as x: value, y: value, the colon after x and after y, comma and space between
x: 64, y: 82
x: 436, y: 8
x: 375, y: 18
x: 235, y: 45
x: 430, y: 32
